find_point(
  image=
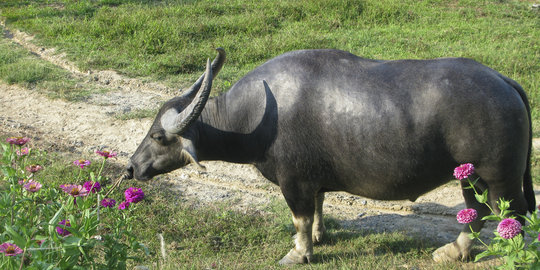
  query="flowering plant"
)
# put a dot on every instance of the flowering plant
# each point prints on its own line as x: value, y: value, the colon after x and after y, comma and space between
x: 134, y: 195
x: 41, y: 226
x: 20, y: 141
x: 81, y: 163
x: 508, y: 242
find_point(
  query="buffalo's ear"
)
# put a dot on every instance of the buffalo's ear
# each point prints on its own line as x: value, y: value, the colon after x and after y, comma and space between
x: 189, y: 152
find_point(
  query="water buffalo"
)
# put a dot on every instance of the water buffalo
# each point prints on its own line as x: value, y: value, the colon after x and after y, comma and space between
x: 314, y: 121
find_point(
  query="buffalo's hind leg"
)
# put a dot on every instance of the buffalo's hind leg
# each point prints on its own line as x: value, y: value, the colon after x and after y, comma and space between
x: 318, y: 225
x: 460, y: 249
x: 509, y: 190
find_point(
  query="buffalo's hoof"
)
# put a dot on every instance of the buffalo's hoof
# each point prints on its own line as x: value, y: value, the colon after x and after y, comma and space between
x: 317, y: 234
x: 317, y: 237
x: 449, y: 253
x: 294, y: 257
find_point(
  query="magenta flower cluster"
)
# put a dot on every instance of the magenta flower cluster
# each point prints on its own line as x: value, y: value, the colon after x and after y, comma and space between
x: 33, y: 168
x: 10, y: 249
x: 134, y: 195
x: 81, y: 163
x: 123, y: 205
x: 61, y: 231
x: 466, y: 216
x: 92, y: 186
x: 74, y: 190
x: 17, y: 140
x: 106, y: 154
x: 32, y: 186
x: 23, y: 152
x: 463, y: 171
x: 108, y: 202
x: 509, y: 228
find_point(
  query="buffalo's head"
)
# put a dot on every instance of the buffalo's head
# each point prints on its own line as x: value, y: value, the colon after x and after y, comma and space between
x: 164, y: 149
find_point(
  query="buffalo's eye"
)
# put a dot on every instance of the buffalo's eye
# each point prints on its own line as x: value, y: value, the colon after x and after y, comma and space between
x: 159, y: 137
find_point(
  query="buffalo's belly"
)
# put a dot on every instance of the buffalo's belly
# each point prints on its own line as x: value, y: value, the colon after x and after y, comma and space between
x: 405, y: 179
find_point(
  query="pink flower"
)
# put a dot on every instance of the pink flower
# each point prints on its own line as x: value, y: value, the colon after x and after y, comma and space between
x: 74, y: 190
x: 466, y: 216
x: 22, y: 182
x: 24, y: 151
x: 92, y: 186
x: 10, y: 249
x: 33, y: 168
x: 81, y: 163
x: 61, y: 231
x: 108, y: 202
x: 509, y: 228
x: 123, y: 205
x: 134, y: 195
x: 17, y: 140
x: 463, y: 171
x: 32, y: 186
x: 106, y: 154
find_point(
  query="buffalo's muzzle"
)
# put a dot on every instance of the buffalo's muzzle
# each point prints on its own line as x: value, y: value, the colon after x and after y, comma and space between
x: 129, y: 171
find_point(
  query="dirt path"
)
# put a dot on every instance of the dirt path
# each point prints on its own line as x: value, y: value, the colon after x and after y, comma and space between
x: 86, y: 126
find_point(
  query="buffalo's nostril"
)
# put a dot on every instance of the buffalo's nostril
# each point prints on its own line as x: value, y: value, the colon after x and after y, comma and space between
x: 129, y: 171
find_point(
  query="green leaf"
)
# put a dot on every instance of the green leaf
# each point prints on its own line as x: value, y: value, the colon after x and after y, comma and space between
x: 71, y: 241
x: 474, y: 235
x: 503, y: 204
x: 473, y: 182
x: 483, y: 254
x: 9, y: 171
x: 492, y: 217
x: 482, y: 198
x: 17, y: 238
x: 54, y: 220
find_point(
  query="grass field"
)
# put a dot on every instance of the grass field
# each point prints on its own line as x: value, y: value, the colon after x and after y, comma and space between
x: 169, y: 41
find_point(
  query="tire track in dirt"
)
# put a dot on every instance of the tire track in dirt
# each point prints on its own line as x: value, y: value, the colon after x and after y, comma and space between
x: 86, y: 126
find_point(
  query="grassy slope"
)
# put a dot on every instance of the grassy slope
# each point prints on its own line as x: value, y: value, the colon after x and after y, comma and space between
x: 171, y: 39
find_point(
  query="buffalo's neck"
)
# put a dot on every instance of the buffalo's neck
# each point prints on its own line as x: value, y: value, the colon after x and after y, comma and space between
x: 224, y: 134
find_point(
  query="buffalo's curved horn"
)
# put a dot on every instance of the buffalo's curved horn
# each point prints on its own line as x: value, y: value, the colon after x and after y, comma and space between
x: 216, y: 67
x: 183, y: 121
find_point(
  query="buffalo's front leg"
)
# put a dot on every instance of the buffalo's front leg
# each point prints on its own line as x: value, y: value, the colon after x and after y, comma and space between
x: 301, y: 201
x: 303, y: 249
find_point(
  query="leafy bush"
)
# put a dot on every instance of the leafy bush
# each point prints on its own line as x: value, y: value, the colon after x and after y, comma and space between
x: 74, y: 226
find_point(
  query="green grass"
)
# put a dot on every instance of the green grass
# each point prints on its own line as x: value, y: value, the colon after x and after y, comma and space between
x: 137, y: 114
x: 170, y: 40
x: 200, y: 237
x: 19, y: 66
